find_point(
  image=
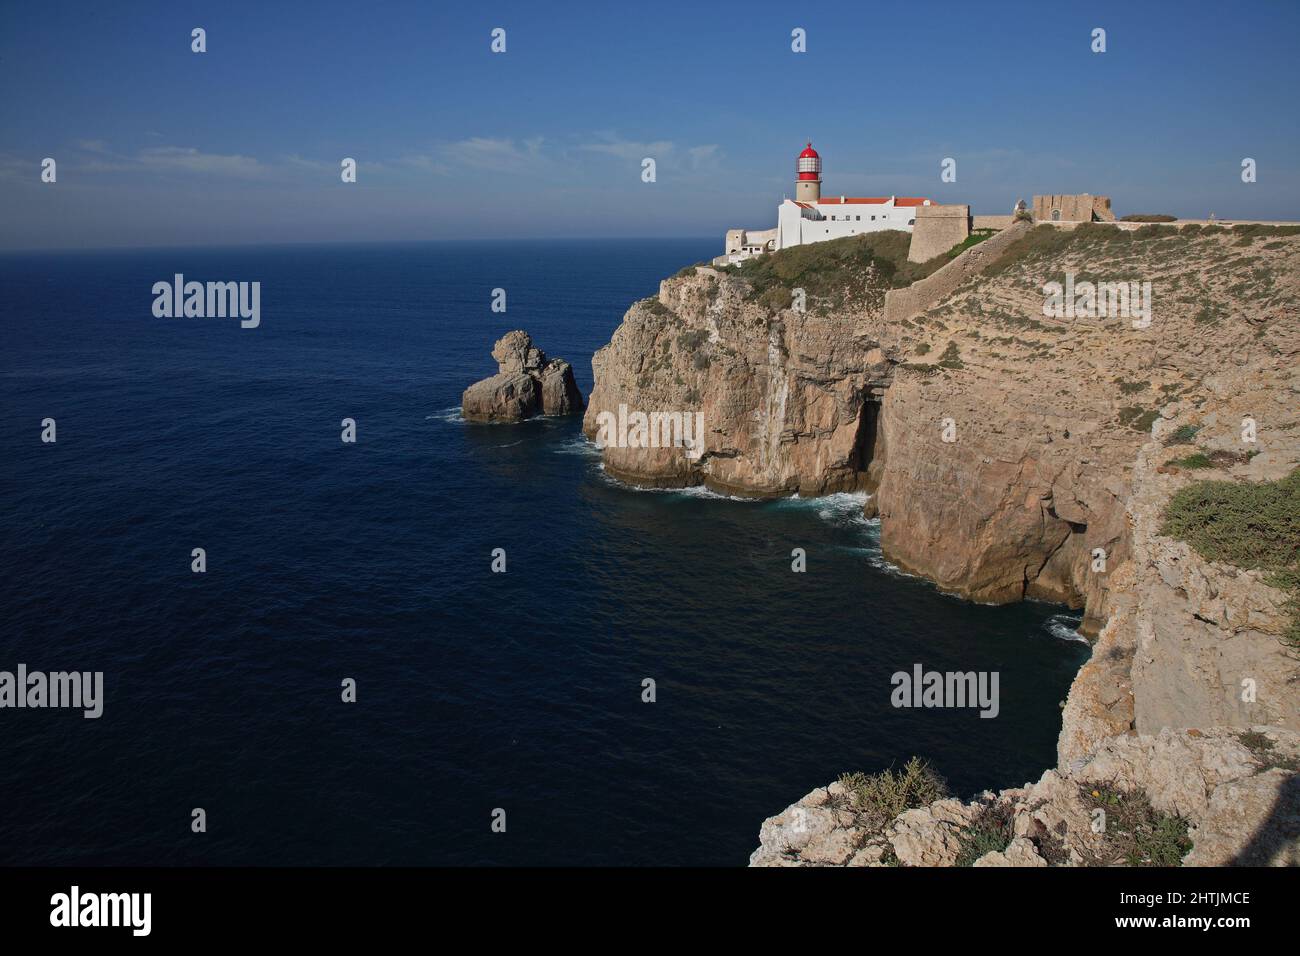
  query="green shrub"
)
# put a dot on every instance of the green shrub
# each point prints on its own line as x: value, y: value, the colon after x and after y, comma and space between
x: 1253, y: 525
x: 1257, y: 229
x: 974, y: 239
x: 879, y: 797
x: 1183, y: 434
x: 951, y: 357
x: 775, y: 298
x: 1197, y: 460
x: 1209, y: 315
x: 1138, y: 418
x: 991, y: 831
x: 655, y: 306
x: 1136, y: 833
x: 691, y: 340
x: 1149, y: 217
x: 1153, y: 231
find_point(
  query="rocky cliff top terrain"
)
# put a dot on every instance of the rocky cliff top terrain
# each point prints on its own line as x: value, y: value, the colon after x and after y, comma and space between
x: 1011, y: 453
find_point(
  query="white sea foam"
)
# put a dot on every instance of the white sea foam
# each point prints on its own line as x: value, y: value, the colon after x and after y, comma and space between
x: 1065, y: 627
x: 577, y: 445
x: 841, y: 508
x: 451, y: 415
x: 692, y: 491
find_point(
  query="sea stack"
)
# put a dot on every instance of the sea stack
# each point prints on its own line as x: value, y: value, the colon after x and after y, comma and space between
x: 526, y: 384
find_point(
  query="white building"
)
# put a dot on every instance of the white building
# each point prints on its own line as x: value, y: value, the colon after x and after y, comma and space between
x: 810, y: 218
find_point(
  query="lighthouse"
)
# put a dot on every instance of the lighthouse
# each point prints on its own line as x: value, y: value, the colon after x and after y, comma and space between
x: 808, y: 186
x: 810, y: 218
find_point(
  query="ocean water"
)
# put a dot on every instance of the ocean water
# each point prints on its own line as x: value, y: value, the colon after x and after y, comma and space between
x: 326, y: 561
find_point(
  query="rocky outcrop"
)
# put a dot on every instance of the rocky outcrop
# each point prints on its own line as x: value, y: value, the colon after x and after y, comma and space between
x: 1211, y: 798
x: 1188, y: 701
x: 526, y: 384
x: 1191, y: 642
x: 1012, y: 453
x: 999, y: 443
x: 784, y: 396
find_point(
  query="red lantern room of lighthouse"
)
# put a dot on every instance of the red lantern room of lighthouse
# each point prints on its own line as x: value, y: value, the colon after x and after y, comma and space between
x: 808, y: 187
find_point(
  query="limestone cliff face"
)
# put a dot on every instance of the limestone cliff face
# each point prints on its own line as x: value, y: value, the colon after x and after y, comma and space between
x: 1191, y: 642
x: 782, y: 395
x: 1000, y: 444
x: 1014, y: 454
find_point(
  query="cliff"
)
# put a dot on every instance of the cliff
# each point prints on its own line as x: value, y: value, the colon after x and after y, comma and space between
x: 1011, y: 454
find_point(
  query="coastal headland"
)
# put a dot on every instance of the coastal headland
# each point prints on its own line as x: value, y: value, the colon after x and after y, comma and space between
x: 1013, y: 450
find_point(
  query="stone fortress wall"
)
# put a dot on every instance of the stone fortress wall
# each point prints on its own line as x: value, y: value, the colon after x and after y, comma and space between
x: 1077, y: 208
x: 938, y: 229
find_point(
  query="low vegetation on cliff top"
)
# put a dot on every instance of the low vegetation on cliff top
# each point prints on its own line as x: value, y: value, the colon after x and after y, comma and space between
x: 990, y: 832
x: 1253, y: 525
x: 1135, y: 834
x: 879, y: 797
x: 836, y: 272
x: 1050, y: 241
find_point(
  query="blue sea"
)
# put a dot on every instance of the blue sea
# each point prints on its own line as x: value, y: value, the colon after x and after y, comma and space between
x: 371, y: 561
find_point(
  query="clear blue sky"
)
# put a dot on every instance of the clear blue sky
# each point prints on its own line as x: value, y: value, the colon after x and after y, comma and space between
x: 157, y: 145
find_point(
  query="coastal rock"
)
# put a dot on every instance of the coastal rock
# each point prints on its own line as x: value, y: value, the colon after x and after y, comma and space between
x: 1054, y: 485
x: 919, y: 839
x: 526, y: 384
x: 559, y: 392
x: 1235, y: 794
x: 506, y: 397
x: 999, y: 444
x: 812, y: 832
x: 1020, y: 852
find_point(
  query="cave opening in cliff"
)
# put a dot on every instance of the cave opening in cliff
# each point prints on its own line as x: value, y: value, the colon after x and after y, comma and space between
x: 864, y: 445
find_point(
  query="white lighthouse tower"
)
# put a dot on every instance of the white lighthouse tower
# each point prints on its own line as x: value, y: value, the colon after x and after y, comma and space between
x: 808, y: 186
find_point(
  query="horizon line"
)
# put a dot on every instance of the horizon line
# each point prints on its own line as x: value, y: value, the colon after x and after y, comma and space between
x: 26, y: 250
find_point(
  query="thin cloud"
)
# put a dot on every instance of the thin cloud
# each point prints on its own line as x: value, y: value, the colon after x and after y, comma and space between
x: 191, y: 160
x: 611, y: 145
x: 500, y: 155
x: 705, y: 157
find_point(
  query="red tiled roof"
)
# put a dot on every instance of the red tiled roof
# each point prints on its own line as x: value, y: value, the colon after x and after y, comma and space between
x: 898, y: 200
